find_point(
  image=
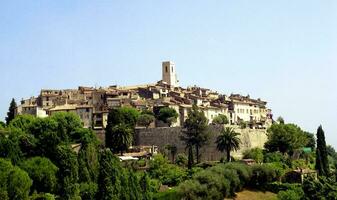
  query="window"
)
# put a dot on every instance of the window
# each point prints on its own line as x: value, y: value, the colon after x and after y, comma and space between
x: 166, y: 69
x: 87, y: 109
x: 172, y: 69
x: 47, y: 104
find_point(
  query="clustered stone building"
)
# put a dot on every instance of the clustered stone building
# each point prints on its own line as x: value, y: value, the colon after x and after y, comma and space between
x: 93, y: 104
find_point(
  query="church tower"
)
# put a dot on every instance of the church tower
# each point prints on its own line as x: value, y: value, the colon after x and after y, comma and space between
x: 169, y: 74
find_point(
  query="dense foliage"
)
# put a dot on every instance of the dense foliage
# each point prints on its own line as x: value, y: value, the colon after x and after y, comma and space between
x: 286, y: 138
x: 56, y: 158
x: 220, y: 119
x: 167, y: 115
x: 195, y: 134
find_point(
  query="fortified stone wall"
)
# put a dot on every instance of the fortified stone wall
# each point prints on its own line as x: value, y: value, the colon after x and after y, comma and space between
x: 164, y: 136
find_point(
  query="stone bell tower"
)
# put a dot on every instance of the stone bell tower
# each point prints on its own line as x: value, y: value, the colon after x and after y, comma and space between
x: 169, y: 74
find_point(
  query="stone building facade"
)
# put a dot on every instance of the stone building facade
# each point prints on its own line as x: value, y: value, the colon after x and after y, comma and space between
x: 93, y: 104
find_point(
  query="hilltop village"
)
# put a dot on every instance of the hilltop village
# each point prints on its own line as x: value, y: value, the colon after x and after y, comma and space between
x: 93, y: 104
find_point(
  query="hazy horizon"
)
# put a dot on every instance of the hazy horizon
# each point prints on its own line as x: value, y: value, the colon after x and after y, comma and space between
x: 283, y: 52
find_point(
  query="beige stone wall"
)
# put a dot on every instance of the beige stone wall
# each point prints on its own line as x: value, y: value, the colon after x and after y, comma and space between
x: 250, y: 138
x: 161, y: 137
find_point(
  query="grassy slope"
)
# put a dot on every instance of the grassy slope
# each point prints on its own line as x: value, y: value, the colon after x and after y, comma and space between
x: 255, y: 195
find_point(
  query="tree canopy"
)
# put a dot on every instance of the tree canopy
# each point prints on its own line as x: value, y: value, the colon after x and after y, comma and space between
x: 167, y: 115
x: 220, y: 119
x: 285, y: 138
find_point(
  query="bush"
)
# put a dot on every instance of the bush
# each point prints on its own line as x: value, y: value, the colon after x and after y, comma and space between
x: 170, y: 194
x: 220, y: 119
x: 168, y: 174
x: 244, y: 172
x: 296, y: 194
x: 273, y: 157
x: 255, y: 154
x: 88, y: 191
x: 261, y: 175
x: 181, y: 160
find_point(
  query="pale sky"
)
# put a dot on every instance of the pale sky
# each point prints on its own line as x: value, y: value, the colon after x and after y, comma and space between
x: 284, y: 52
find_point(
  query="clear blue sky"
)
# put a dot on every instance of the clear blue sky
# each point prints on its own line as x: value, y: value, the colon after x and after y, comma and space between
x: 282, y: 51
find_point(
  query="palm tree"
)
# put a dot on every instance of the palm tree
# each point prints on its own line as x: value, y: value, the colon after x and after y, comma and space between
x: 228, y: 141
x: 121, y: 138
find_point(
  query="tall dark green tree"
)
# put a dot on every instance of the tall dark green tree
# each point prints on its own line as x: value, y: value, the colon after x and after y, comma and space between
x: 322, y: 164
x: 120, y: 138
x: 109, y: 181
x: 11, y: 111
x: 195, y: 133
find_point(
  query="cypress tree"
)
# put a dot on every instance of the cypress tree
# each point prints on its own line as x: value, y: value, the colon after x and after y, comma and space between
x: 11, y: 111
x: 322, y: 164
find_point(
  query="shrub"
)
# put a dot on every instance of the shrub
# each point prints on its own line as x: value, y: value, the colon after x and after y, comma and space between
x: 261, y: 175
x: 171, y: 194
x: 181, y: 160
x: 88, y: 190
x: 255, y: 154
x: 273, y: 157
x: 244, y: 171
x: 293, y: 194
x: 168, y: 174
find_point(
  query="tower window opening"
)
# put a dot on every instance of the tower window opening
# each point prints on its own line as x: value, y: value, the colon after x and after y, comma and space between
x: 166, y: 69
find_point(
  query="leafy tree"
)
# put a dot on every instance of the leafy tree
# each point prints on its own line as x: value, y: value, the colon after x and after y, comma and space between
x: 120, y: 138
x: 285, y: 138
x: 45, y: 130
x: 255, y: 153
x: 23, y: 122
x: 228, y: 141
x: 195, y: 133
x: 167, y: 115
x: 11, y: 111
x: 130, y: 115
x: 18, y: 184
x: 311, y: 140
x: 9, y: 145
x: 43, y: 173
x: 280, y: 120
x: 145, y: 120
x: 220, y: 119
x: 322, y: 164
x: 67, y: 123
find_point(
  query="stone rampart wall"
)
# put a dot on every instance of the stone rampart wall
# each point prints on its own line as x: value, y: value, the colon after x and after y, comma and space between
x: 162, y: 137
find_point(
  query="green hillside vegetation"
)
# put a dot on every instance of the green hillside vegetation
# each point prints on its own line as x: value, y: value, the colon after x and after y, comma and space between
x: 56, y: 158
